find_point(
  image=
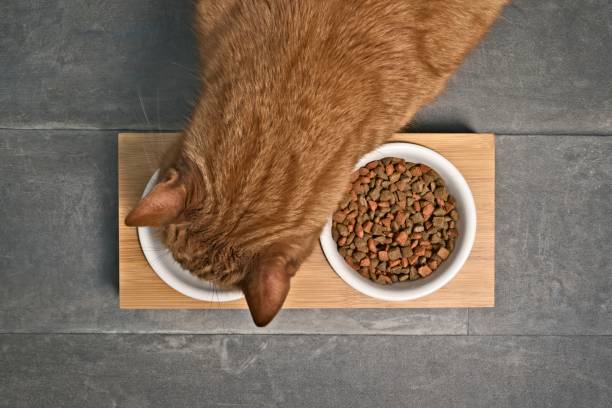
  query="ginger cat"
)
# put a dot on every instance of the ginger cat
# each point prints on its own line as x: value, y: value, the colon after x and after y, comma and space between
x: 294, y: 92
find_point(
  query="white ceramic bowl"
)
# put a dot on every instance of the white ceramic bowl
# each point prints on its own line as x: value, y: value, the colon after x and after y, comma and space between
x: 171, y: 272
x: 456, y: 186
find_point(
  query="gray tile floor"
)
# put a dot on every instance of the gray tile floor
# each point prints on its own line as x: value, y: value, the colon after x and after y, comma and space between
x: 74, y: 72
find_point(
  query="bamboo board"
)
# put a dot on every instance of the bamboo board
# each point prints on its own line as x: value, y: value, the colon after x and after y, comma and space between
x: 316, y: 285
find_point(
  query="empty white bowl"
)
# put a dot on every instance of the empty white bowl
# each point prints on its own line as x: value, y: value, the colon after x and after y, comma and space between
x: 456, y: 186
x: 171, y: 272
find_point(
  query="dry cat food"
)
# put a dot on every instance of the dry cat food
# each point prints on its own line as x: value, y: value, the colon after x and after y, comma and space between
x: 397, y: 222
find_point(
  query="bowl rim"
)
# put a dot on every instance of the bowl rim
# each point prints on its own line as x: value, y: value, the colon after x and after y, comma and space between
x: 162, y: 265
x: 411, y: 290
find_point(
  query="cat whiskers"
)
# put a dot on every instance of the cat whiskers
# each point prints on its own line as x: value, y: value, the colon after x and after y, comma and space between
x: 144, y: 111
x: 192, y: 72
x: 160, y: 252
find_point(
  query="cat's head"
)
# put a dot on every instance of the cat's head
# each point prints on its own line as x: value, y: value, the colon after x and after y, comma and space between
x: 223, y: 239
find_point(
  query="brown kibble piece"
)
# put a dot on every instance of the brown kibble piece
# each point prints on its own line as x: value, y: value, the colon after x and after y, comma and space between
x: 420, y: 250
x: 441, y: 193
x: 424, y: 271
x: 406, y: 252
x: 349, y: 261
x: 428, y: 211
x: 393, y: 179
x: 383, y: 256
x: 415, y: 171
x: 374, y: 194
x: 340, y: 216
x: 358, y: 256
x: 428, y: 196
x: 443, y: 253
x: 425, y: 243
x: 377, y: 229
x: 361, y: 244
x: 395, y: 254
x: 401, y: 237
x: 372, y: 245
x: 401, y: 185
x: 454, y: 215
x: 394, y: 263
x: 400, y: 218
x: 386, y: 195
x: 389, y: 169
x: 335, y: 233
x: 439, y: 222
x: 350, y: 238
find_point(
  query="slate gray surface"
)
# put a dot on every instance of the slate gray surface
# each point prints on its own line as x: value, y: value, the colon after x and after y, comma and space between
x: 108, y: 64
x: 544, y: 68
x: 554, y: 235
x: 304, y: 371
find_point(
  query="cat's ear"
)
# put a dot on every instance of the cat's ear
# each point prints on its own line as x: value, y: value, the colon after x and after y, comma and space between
x: 265, y: 289
x: 162, y: 205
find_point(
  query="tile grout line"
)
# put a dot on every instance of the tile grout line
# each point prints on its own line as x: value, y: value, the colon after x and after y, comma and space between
x: 175, y: 130
x: 292, y: 334
x: 468, y: 322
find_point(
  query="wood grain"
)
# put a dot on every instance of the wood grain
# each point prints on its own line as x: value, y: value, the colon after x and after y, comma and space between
x: 316, y: 285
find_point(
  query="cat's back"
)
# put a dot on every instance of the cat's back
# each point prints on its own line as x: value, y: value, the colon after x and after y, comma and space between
x: 429, y: 36
x: 443, y: 26
x: 335, y: 61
